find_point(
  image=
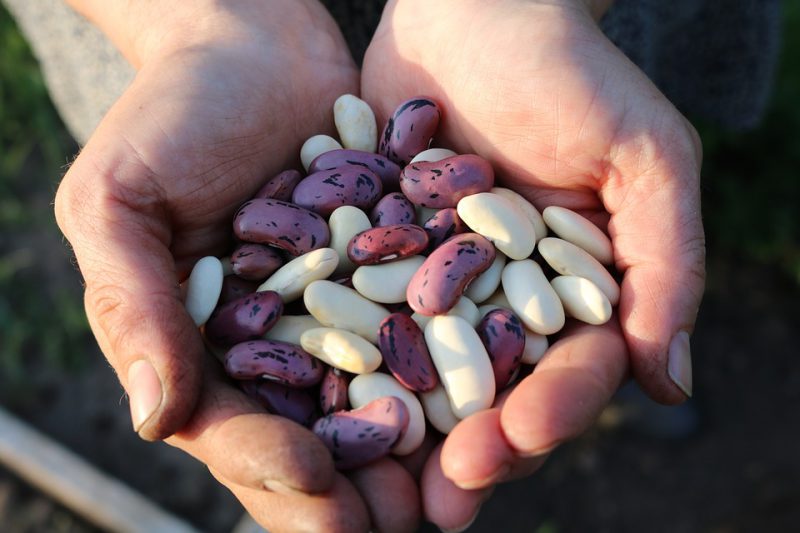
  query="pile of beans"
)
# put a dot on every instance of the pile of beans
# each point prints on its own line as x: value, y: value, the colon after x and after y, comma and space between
x: 387, y: 288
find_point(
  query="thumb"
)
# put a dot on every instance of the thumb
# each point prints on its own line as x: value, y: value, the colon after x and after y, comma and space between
x: 120, y: 235
x: 659, y: 244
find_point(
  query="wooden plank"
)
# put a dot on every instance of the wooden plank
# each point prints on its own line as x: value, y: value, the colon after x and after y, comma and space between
x: 74, y: 482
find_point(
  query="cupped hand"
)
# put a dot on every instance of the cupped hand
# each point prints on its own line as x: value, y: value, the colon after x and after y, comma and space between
x: 225, y: 94
x: 566, y: 120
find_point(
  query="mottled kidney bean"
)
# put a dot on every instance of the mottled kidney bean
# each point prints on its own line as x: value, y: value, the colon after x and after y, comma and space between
x: 386, y: 170
x: 281, y: 186
x: 405, y: 353
x: 274, y: 361
x: 443, y: 225
x: 324, y: 191
x: 244, y: 319
x: 389, y: 243
x: 443, y: 183
x: 394, y: 208
x: 234, y: 287
x: 281, y: 224
x: 409, y: 130
x: 333, y: 391
x: 504, y: 339
x: 295, y: 404
x: 358, y: 437
x: 255, y: 262
x: 440, y: 281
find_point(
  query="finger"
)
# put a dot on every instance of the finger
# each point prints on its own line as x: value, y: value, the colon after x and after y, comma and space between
x: 251, y: 448
x: 567, y: 390
x: 443, y: 503
x: 339, y: 510
x: 415, y: 461
x: 120, y: 237
x: 390, y: 494
x: 658, y: 241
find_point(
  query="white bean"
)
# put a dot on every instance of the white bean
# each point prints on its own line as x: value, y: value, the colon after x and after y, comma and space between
x: 433, y: 155
x: 345, y: 223
x: 341, y: 307
x: 532, y: 298
x: 501, y: 221
x: 289, y: 328
x: 569, y: 260
x: 578, y: 230
x: 582, y: 299
x: 355, y: 123
x: 316, y: 145
x: 386, y: 283
x: 341, y: 349
x: 482, y: 287
x: 203, y: 289
x: 291, y: 279
x: 436, y: 405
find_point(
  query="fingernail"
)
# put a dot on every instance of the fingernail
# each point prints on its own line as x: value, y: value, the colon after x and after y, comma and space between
x: 465, y: 526
x: 487, y: 481
x: 145, y: 392
x: 679, y: 364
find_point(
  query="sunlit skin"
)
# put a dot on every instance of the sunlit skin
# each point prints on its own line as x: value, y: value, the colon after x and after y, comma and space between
x: 225, y: 95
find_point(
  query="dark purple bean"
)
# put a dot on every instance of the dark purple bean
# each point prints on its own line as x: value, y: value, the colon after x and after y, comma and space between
x: 255, y: 262
x: 394, y: 208
x: 234, y: 287
x: 440, y: 184
x: 502, y: 336
x: 386, y: 244
x: 281, y: 224
x: 244, y: 319
x: 443, y: 225
x: 386, y: 170
x: 440, y: 281
x: 359, y: 437
x: 281, y: 186
x: 405, y: 353
x: 275, y: 361
x: 333, y: 391
x: 295, y: 404
x: 409, y: 130
x: 324, y: 191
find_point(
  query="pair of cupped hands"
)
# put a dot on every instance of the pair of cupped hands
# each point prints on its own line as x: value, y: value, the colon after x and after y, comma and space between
x: 226, y: 93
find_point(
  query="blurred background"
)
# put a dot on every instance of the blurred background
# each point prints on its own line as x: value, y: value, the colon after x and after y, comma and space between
x: 727, y: 462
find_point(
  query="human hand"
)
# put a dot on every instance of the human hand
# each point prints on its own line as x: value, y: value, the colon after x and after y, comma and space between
x: 566, y: 120
x: 226, y: 92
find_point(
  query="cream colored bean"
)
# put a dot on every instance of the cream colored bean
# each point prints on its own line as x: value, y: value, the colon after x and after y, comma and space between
x: 355, y: 123
x: 569, y: 260
x: 341, y: 307
x: 582, y: 299
x: 528, y: 208
x: 345, y: 223
x: 535, y: 345
x: 465, y: 308
x: 341, y: 349
x: 462, y: 364
x: 316, y: 145
x: 386, y: 283
x: 482, y: 287
x: 436, y: 405
x: 291, y: 279
x: 203, y: 289
x: 368, y: 387
x: 433, y: 155
x: 532, y: 298
x: 289, y: 328
x: 578, y: 230
x: 499, y: 220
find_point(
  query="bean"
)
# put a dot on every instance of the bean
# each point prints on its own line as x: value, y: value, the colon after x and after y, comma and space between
x: 433, y: 154
x: 281, y: 224
x: 292, y: 278
x: 386, y: 283
x: 281, y: 186
x: 316, y: 146
x: 532, y: 298
x: 245, y: 319
x: 389, y: 243
x: 483, y: 286
x: 325, y: 190
x: 295, y: 404
x: 499, y: 220
x: 203, y: 288
x: 442, y: 225
x: 409, y: 130
x: 355, y: 123
x: 526, y: 207
x: 289, y: 328
x: 341, y: 349
x: 569, y: 260
x: 443, y: 183
x: 358, y: 437
x: 582, y: 299
x: 275, y: 361
x: 578, y: 230
x: 333, y: 391
x: 502, y: 335
x: 385, y: 169
x: 405, y: 353
x: 340, y: 307
x: 394, y: 208
x: 438, y: 410
x: 255, y: 262
x: 234, y: 287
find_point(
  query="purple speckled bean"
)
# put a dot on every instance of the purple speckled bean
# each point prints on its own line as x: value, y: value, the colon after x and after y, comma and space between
x: 386, y: 170
x: 404, y: 351
x: 410, y: 129
x: 443, y: 225
x: 244, y: 319
x: 358, y: 437
x: 502, y: 336
x: 275, y: 361
x: 441, y: 184
x: 281, y: 186
x: 297, y: 405
x: 255, y: 262
x: 281, y: 224
x: 394, y: 208
x: 386, y: 244
x: 234, y: 287
x: 333, y: 391
x: 324, y: 191
x: 438, y: 284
